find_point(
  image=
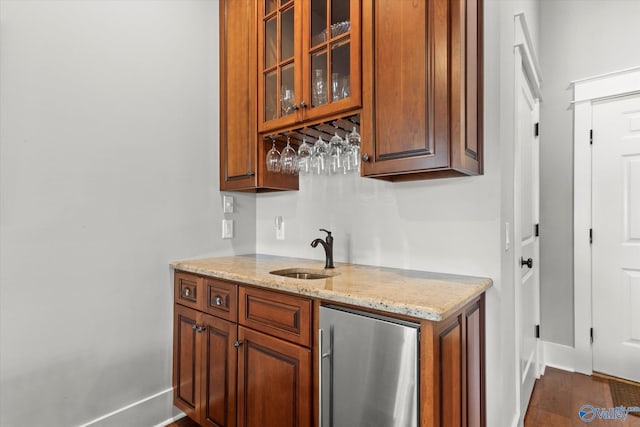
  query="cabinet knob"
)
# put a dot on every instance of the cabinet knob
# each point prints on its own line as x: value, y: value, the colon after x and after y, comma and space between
x: 295, y: 107
x: 186, y: 292
x: 365, y: 157
x: 194, y: 327
x: 303, y: 104
x: 237, y: 344
x: 219, y: 300
x: 249, y: 173
x: 201, y: 329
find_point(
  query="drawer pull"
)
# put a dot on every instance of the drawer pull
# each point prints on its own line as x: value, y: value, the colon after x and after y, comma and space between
x: 219, y: 300
x: 186, y: 292
x: 237, y: 344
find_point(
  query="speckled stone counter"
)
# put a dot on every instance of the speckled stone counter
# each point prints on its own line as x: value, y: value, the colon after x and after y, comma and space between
x: 425, y: 295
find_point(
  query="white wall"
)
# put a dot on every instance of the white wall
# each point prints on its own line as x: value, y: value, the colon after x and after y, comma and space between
x: 579, y: 39
x: 450, y: 225
x: 108, y: 171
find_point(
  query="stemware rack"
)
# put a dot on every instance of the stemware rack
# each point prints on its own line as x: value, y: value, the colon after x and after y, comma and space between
x: 311, y: 132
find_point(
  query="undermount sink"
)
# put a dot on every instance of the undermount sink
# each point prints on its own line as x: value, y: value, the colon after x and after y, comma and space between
x: 304, y: 273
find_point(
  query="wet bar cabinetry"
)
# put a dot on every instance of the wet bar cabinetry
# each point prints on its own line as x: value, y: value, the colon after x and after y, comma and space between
x: 285, y: 64
x: 422, y: 107
x: 246, y: 344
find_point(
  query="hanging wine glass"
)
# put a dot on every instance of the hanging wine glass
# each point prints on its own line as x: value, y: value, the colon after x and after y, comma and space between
x: 337, y: 147
x: 273, y: 158
x: 347, y: 156
x: 289, y: 160
x: 305, y: 152
x: 317, y: 161
x: 354, y: 143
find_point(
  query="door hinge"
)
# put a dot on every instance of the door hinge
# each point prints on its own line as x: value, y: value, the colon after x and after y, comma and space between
x: 536, y: 230
x: 537, y: 331
x: 536, y: 129
x: 590, y: 235
x: 591, y: 335
x: 590, y: 136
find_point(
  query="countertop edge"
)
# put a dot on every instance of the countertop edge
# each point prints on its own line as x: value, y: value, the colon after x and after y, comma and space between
x: 421, y: 312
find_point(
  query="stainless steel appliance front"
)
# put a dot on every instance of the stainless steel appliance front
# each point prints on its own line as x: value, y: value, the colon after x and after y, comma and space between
x: 368, y: 370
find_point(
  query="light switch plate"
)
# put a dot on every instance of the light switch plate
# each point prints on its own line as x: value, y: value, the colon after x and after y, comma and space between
x: 227, y: 229
x: 227, y: 204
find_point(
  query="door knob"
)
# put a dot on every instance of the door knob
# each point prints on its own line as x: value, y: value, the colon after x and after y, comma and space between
x: 527, y: 262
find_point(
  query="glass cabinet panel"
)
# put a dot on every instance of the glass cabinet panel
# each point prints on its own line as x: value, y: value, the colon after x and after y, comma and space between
x: 340, y: 70
x: 329, y: 52
x: 278, y: 64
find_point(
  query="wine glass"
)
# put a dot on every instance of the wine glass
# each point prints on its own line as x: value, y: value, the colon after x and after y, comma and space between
x: 273, y: 159
x: 317, y: 161
x: 305, y: 152
x: 287, y: 101
x: 289, y: 160
x: 337, y: 147
x: 354, y: 143
x: 347, y: 156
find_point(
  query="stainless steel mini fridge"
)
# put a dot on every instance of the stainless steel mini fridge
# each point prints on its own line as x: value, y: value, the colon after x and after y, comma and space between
x: 368, y: 370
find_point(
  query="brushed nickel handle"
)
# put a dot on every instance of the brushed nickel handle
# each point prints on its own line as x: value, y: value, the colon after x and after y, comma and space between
x: 219, y: 300
x: 186, y: 292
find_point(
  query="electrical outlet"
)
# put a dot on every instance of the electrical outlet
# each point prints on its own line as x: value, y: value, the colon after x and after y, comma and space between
x: 279, y: 228
x: 227, y: 204
x: 227, y: 229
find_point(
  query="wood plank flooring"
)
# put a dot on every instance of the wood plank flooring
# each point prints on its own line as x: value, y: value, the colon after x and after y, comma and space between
x: 558, y: 396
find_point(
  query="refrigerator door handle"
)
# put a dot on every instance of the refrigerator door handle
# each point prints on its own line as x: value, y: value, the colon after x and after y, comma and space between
x: 320, y: 377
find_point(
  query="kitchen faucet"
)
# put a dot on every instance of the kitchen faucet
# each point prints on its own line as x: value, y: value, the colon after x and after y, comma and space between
x: 328, y: 248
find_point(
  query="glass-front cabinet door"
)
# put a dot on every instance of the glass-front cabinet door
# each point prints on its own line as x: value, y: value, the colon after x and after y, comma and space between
x: 279, y: 89
x: 331, y: 56
x: 308, y: 60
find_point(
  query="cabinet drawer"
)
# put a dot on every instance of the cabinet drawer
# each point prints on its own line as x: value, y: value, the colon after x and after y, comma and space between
x: 283, y: 316
x: 189, y: 290
x: 221, y: 299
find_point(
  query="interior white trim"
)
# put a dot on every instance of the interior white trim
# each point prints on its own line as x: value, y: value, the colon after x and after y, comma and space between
x: 586, y: 92
x: 559, y: 356
x: 171, y: 420
x: 606, y: 75
x: 127, y: 407
x: 530, y: 59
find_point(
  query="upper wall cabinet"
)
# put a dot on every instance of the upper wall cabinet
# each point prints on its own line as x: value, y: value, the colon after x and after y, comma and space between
x: 422, y: 60
x: 242, y: 158
x: 308, y: 60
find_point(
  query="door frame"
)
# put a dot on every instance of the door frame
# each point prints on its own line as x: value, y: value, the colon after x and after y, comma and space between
x: 585, y: 92
x: 525, y: 59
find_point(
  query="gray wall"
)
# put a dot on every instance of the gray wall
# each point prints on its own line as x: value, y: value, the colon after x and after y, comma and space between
x: 449, y: 225
x: 579, y: 39
x: 108, y: 171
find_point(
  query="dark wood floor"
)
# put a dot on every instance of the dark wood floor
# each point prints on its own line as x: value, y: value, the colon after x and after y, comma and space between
x: 558, y: 395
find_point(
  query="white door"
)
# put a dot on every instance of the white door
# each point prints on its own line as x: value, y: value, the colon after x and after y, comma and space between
x: 616, y: 237
x: 526, y: 197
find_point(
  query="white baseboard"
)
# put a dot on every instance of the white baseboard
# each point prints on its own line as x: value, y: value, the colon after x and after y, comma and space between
x: 151, y: 410
x: 171, y: 420
x: 559, y: 356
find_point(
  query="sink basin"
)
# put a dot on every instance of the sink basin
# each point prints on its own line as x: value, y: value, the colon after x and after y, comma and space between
x: 304, y: 273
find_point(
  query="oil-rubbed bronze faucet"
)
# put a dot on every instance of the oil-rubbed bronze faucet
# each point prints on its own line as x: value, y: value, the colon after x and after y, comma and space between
x: 328, y: 248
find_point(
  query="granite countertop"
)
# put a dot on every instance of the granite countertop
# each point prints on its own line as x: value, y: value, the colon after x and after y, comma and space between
x: 425, y: 295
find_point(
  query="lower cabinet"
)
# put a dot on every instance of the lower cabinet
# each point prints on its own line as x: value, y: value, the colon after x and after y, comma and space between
x: 249, y: 363
x: 274, y: 381
x: 237, y: 373
x: 204, y: 367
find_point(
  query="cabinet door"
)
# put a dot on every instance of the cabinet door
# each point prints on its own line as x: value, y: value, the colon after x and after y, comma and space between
x: 238, y: 124
x: 219, y: 371
x: 422, y: 59
x: 331, y: 46
x: 267, y: 364
x: 279, y: 86
x: 186, y: 361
